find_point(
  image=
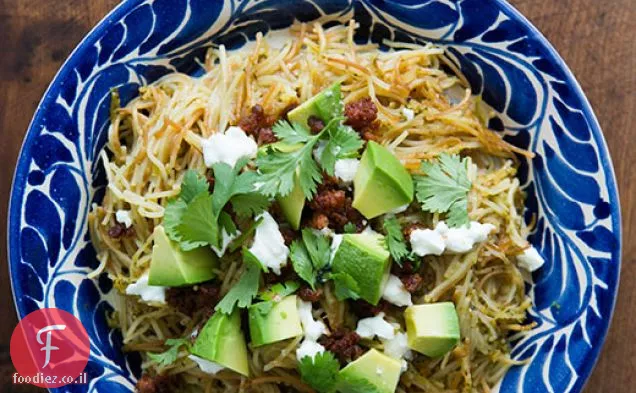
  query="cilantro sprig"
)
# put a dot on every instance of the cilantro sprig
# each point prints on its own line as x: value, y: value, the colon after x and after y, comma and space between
x: 196, y: 218
x: 310, y: 256
x: 395, y: 240
x: 170, y: 356
x: 444, y: 188
x: 245, y: 290
x: 320, y: 372
x: 279, y: 168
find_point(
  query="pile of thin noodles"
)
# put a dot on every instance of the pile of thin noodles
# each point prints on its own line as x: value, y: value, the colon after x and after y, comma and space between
x: 157, y: 137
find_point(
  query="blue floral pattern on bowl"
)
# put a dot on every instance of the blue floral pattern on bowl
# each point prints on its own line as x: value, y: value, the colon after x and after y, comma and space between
x: 570, y: 183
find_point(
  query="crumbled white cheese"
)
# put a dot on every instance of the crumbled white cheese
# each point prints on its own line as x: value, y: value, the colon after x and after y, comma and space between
x: 442, y: 238
x: 379, y: 370
x: 346, y: 168
x: 226, y: 239
x: 206, y: 365
x: 395, y: 292
x: 335, y: 243
x: 397, y: 347
x: 228, y: 147
x: 148, y: 293
x: 312, y: 330
x: 530, y: 259
x: 427, y: 242
x: 375, y: 326
x: 462, y: 239
x: 308, y: 348
x: 269, y: 245
x: 408, y: 113
x: 124, y: 217
x: 400, y: 209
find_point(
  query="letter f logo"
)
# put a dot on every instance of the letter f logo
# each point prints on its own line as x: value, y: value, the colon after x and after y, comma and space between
x: 48, y: 347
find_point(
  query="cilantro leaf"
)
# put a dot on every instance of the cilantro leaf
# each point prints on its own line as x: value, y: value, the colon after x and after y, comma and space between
x: 301, y: 262
x: 444, y: 188
x: 229, y: 182
x: 172, y: 217
x: 192, y: 185
x: 318, y: 248
x: 246, y: 205
x: 198, y: 225
x: 343, y: 142
x: 345, y: 285
x: 194, y: 219
x: 170, y: 356
x: 320, y: 372
x: 291, y: 133
x: 245, y: 289
x: 279, y: 291
x: 458, y: 214
x: 310, y: 256
x: 279, y: 168
x: 395, y: 240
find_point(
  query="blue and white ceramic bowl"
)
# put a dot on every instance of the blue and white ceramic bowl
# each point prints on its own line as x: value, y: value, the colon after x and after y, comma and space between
x: 570, y: 183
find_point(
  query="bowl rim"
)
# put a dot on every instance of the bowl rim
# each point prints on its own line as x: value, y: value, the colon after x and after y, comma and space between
x: 121, y: 9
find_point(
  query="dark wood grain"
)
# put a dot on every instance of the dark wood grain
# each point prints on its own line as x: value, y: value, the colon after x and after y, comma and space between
x: 596, y: 38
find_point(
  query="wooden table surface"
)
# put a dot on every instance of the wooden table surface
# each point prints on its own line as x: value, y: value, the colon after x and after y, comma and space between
x: 597, y: 38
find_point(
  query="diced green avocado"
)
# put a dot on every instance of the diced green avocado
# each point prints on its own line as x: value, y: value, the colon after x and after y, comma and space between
x: 373, y: 368
x: 432, y: 329
x: 381, y: 183
x: 221, y: 341
x: 364, y: 257
x: 172, y: 267
x: 276, y: 324
x: 292, y: 204
x: 323, y: 105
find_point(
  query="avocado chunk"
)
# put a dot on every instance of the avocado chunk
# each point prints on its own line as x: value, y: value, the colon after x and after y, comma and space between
x: 381, y: 183
x: 432, y: 329
x: 325, y: 105
x: 221, y: 341
x: 292, y: 204
x: 172, y: 267
x: 272, y: 324
x: 373, y: 368
x: 364, y: 257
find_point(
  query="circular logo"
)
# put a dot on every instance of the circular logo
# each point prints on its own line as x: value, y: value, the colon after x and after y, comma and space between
x: 49, y: 349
